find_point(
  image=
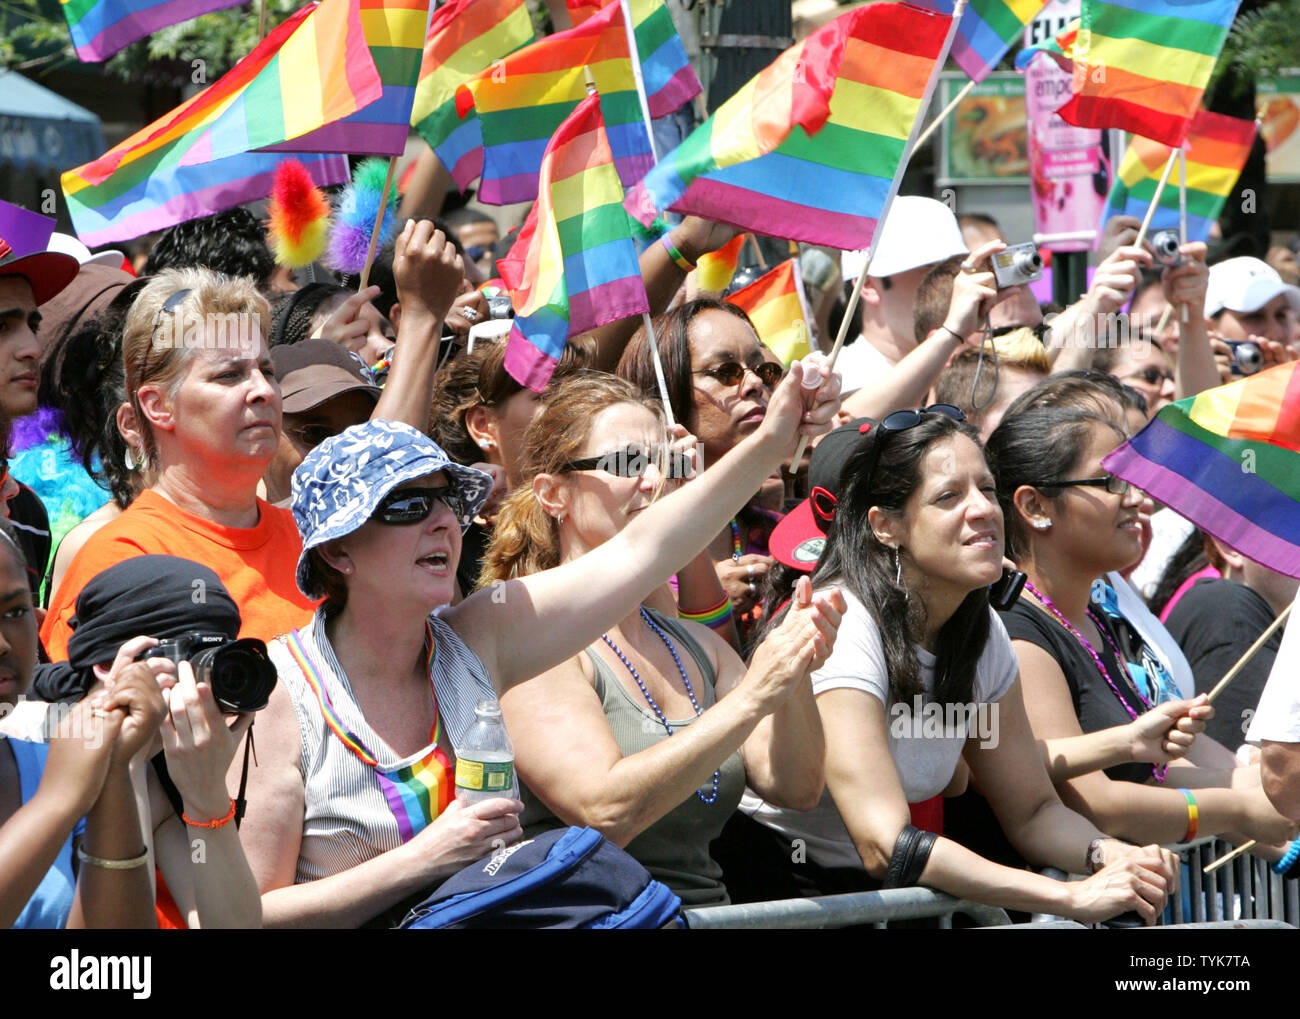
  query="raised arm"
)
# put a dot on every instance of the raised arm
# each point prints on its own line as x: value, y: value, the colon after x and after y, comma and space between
x: 1184, y: 287
x: 524, y: 627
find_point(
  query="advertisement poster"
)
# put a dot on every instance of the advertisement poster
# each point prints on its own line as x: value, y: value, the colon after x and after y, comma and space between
x: 1278, y: 109
x: 1064, y: 160
x: 985, y: 140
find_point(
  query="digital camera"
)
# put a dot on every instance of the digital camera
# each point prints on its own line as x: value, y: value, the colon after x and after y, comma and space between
x: 1164, y: 248
x: 1247, y: 358
x: 239, y: 671
x: 1020, y: 263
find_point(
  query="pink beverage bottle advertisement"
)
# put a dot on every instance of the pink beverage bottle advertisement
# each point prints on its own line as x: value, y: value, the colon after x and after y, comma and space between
x: 1063, y: 159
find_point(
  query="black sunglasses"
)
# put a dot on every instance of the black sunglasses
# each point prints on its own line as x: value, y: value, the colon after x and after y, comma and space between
x: 732, y: 373
x: 1112, y: 484
x: 412, y: 505
x: 901, y: 421
x: 1151, y: 375
x: 633, y: 463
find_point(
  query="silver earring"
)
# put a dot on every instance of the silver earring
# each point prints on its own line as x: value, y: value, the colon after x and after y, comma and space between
x: 560, y: 519
x: 898, y: 569
x: 1042, y: 525
x: 129, y: 460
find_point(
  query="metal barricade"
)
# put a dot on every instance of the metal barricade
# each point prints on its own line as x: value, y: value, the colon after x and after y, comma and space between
x: 876, y: 908
x: 1244, y: 890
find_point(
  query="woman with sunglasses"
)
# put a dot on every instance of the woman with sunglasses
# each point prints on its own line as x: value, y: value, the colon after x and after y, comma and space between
x: 720, y: 379
x: 650, y: 733
x: 923, y: 676
x: 351, y: 811
x: 1098, y: 697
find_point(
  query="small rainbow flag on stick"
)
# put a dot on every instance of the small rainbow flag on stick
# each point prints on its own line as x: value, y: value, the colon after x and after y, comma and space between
x: 574, y: 266
x: 1217, y: 149
x: 1228, y: 459
x: 99, y: 28
x: 1139, y: 65
x: 524, y: 98
x: 987, y: 29
x: 811, y: 147
x: 775, y: 304
x: 464, y: 38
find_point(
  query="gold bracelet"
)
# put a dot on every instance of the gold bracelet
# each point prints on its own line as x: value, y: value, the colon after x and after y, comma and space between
x: 97, y: 861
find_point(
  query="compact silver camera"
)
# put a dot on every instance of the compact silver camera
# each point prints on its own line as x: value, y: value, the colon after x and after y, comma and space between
x: 1164, y: 247
x: 1247, y: 358
x: 1020, y: 263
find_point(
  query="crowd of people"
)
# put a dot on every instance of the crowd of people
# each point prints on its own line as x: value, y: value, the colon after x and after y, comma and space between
x: 761, y: 679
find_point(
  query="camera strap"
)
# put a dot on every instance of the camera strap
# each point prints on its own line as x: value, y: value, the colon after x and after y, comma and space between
x: 159, y: 762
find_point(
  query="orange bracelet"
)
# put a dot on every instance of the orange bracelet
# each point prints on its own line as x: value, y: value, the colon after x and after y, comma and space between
x: 218, y: 823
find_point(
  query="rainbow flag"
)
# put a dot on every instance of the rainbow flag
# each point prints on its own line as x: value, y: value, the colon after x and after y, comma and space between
x: 775, y: 304
x: 811, y: 148
x: 312, y: 69
x: 1217, y: 149
x: 394, y: 32
x: 574, y: 266
x: 189, y: 163
x: 464, y: 38
x: 1228, y: 459
x: 987, y: 29
x: 99, y: 28
x: 1139, y: 65
x: 669, y: 78
x: 525, y: 97
x: 713, y: 271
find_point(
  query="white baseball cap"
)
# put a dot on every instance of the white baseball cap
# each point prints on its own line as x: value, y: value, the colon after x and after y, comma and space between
x: 66, y: 244
x: 917, y: 231
x: 1246, y: 284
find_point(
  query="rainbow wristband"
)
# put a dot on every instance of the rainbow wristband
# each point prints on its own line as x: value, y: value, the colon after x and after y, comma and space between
x: 712, y: 618
x: 1193, y: 817
x: 682, y: 262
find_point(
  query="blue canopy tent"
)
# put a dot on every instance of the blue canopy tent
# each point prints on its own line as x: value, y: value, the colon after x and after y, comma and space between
x: 40, y: 131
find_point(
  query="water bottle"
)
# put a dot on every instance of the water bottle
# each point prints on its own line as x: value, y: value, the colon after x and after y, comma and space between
x: 485, y: 765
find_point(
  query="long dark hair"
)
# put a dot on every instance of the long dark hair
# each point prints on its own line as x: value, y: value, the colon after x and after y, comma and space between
x: 856, y: 558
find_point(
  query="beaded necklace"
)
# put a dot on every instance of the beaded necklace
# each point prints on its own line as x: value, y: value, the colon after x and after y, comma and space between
x: 1159, y: 770
x: 681, y: 671
x: 735, y: 541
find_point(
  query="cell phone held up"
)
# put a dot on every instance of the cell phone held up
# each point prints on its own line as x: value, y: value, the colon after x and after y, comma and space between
x: 1004, y: 593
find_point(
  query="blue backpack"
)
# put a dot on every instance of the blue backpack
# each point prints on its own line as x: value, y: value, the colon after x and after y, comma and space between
x: 569, y: 877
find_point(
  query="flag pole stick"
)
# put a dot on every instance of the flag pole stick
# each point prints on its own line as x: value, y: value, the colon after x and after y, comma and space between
x: 1231, y: 674
x: 1182, y: 215
x: 659, y: 368
x: 752, y: 241
x: 379, y: 223
x: 261, y: 20
x: 908, y: 149
x: 1245, y: 847
x: 636, y: 74
x: 934, y: 124
x: 1155, y: 199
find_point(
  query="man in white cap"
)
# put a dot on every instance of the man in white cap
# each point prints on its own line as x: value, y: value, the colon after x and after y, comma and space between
x: 1247, y: 300
x: 917, y: 234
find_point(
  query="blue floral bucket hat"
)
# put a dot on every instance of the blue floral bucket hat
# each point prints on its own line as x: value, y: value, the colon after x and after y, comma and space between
x: 341, y: 482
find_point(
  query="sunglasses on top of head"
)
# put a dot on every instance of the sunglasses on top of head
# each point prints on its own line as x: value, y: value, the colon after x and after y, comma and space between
x: 412, y: 505
x: 901, y: 421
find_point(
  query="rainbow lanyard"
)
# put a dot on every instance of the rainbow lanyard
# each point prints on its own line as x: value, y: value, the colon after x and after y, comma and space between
x: 417, y: 793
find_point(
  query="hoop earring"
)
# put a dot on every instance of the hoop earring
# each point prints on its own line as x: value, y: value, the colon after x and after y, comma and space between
x: 129, y: 460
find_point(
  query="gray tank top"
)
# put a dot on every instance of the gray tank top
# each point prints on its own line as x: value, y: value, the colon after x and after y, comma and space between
x: 675, y: 849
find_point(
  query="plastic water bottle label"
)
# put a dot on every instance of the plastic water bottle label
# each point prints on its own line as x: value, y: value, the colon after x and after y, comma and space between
x: 485, y: 776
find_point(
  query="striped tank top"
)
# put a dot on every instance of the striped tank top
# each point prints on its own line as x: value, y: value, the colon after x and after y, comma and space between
x: 355, y: 810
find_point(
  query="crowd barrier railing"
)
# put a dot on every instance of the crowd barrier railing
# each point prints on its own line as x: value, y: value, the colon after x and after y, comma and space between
x: 857, y: 908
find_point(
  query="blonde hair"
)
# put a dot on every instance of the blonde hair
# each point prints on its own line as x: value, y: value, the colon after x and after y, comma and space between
x: 149, y: 362
x: 526, y: 539
x: 1021, y: 348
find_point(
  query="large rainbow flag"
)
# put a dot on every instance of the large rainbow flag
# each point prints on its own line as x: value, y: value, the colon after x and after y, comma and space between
x: 524, y: 98
x: 464, y: 38
x: 99, y: 28
x: 810, y: 149
x: 1139, y: 65
x: 394, y: 33
x: 574, y: 266
x: 775, y: 304
x: 1228, y: 459
x: 668, y: 76
x: 197, y: 159
x: 1217, y: 149
x: 987, y: 29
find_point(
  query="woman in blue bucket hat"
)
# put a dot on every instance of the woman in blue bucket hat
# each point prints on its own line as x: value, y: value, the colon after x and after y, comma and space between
x: 352, y: 812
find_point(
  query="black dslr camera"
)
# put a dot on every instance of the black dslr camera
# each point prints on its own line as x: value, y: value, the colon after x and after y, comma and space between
x: 238, y: 671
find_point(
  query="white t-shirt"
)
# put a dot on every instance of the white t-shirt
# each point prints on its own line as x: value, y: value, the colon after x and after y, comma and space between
x: 1277, y: 719
x: 860, y: 363
x: 925, y: 746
